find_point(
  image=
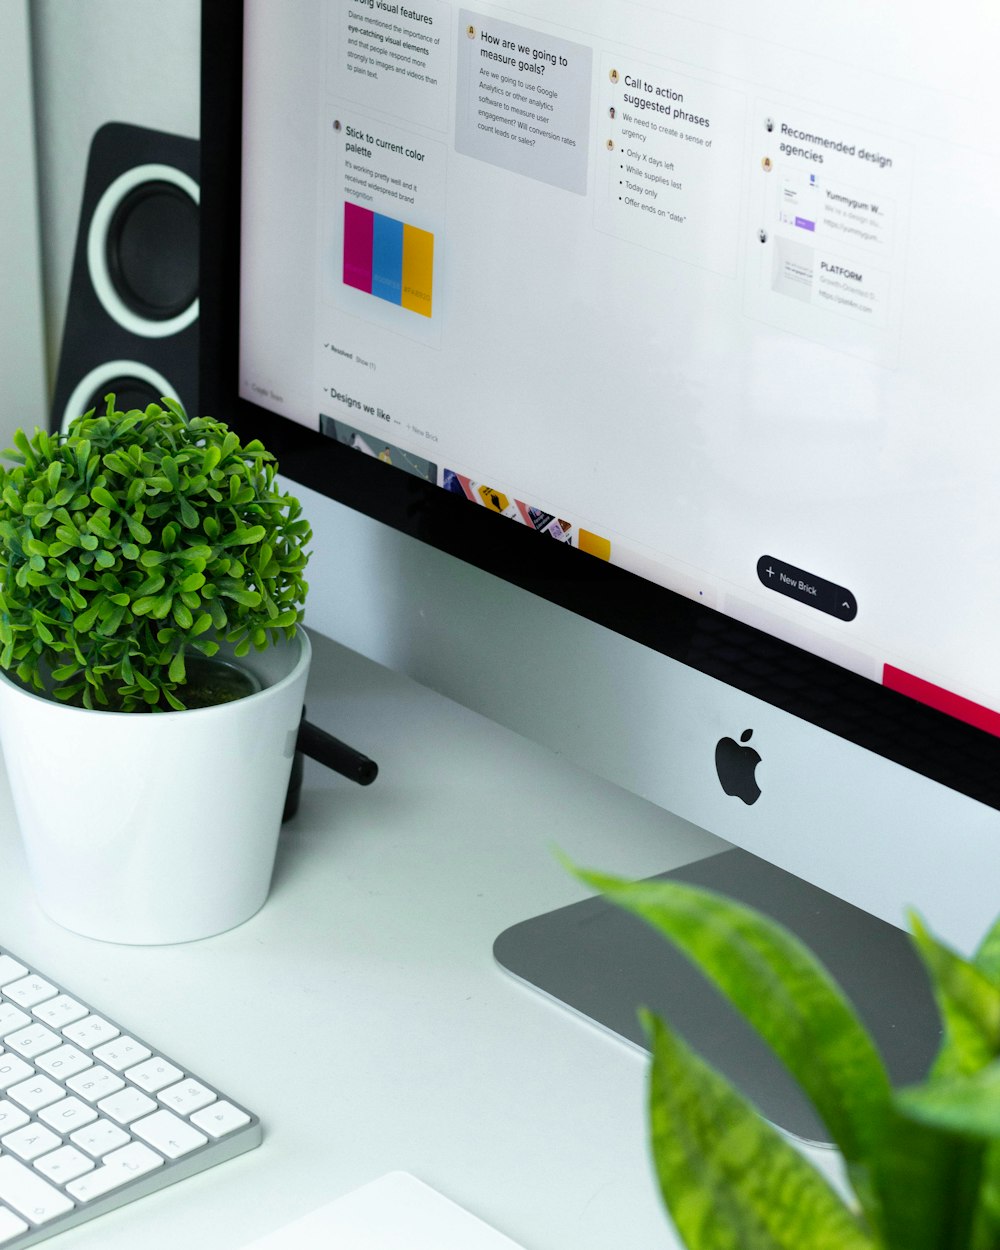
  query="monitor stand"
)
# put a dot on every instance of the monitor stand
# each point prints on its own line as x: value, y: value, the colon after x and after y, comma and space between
x: 604, y: 963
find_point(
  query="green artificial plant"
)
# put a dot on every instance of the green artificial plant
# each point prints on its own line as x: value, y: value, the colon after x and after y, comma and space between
x: 135, y: 541
x: 922, y: 1162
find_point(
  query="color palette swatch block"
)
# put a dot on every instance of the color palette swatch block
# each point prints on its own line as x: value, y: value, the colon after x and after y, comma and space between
x: 389, y: 259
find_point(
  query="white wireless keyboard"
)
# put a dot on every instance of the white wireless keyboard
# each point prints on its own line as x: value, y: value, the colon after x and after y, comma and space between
x: 90, y: 1116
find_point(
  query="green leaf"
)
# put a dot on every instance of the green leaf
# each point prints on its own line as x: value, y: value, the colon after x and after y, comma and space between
x: 189, y: 514
x: 130, y: 551
x: 85, y: 621
x: 249, y: 598
x: 788, y: 997
x: 177, y: 672
x: 968, y: 1104
x: 111, y: 624
x: 103, y: 498
x: 969, y: 1003
x: 243, y: 536
x: 730, y: 1180
x: 138, y: 530
x: 182, y: 616
x: 987, y: 957
x: 928, y: 1182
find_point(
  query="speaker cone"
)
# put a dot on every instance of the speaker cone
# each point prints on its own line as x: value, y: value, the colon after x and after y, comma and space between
x: 152, y: 250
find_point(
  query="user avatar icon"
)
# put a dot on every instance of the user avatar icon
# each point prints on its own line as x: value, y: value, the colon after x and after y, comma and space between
x: 767, y: 164
x: 470, y: 31
x: 613, y: 75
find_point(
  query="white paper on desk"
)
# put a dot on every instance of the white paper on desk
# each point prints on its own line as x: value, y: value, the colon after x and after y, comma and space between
x: 395, y: 1212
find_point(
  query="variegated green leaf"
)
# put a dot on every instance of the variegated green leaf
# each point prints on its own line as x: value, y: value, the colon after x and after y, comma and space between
x: 929, y: 1181
x: 785, y: 993
x: 969, y: 1003
x: 730, y: 1181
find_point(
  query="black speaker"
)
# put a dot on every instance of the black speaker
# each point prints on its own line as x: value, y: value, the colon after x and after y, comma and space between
x: 132, y: 314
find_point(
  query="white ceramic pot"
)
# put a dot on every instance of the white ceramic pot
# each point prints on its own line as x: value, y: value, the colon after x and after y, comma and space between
x: 160, y: 827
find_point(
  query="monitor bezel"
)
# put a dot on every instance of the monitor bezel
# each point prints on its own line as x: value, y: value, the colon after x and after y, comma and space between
x: 782, y: 675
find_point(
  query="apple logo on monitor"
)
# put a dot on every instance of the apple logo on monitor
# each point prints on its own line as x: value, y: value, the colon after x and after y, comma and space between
x: 736, y: 766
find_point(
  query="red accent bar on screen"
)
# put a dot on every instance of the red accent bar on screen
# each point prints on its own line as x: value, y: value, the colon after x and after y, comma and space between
x: 941, y: 699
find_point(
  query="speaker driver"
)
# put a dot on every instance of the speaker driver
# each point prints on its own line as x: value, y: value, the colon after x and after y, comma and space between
x: 142, y: 250
x: 133, y: 383
x: 152, y: 250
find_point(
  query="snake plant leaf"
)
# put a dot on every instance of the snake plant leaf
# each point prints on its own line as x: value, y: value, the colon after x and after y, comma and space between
x: 930, y: 1183
x: 968, y: 1104
x: 987, y: 957
x: 728, y: 1178
x: 969, y: 1002
x: 780, y: 988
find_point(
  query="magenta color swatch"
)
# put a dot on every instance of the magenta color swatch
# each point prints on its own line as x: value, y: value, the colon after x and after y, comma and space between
x: 359, y: 225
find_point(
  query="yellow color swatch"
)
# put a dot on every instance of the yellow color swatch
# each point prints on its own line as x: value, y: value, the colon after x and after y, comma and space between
x: 418, y: 269
x: 594, y: 544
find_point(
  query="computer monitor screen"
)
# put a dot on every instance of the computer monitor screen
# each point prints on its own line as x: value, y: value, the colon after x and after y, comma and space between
x: 682, y: 321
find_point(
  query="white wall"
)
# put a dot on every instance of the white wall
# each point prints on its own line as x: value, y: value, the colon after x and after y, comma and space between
x: 22, y: 378
x: 97, y: 61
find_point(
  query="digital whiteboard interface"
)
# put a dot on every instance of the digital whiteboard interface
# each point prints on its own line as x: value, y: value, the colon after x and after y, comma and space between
x: 710, y: 291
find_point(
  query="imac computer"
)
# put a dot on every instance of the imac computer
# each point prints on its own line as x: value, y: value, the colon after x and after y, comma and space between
x: 637, y: 364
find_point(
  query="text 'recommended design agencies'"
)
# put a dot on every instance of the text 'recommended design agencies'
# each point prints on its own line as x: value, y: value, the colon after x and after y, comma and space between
x: 388, y: 258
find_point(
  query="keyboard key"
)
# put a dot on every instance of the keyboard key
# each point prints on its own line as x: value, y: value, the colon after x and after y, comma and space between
x: 10, y: 969
x: 60, y: 1011
x: 220, y: 1118
x: 11, y: 1117
x: 12, y: 1018
x: 67, y: 1115
x: 186, y: 1096
x: 119, y: 1167
x: 64, y: 1061
x: 122, y: 1053
x: 31, y: 1141
x: 10, y: 1225
x: 95, y: 1083
x: 154, y: 1074
x: 63, y: 1165
x: 99, y: 1138
x: 34, y: 1040
x: 29, y: 990
x: 13, y: 1069
x: 30, y: 1195
x: 90, y: 1032
x: 126, y: 1106
x: 169, y: 1134
x: 35, y: 1093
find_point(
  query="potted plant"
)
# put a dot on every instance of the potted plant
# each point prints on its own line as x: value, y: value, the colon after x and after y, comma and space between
x: 922, y: 1162
x: 153, y: 668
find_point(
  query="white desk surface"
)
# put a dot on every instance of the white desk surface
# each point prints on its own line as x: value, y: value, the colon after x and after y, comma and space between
x: 360, y: 1013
